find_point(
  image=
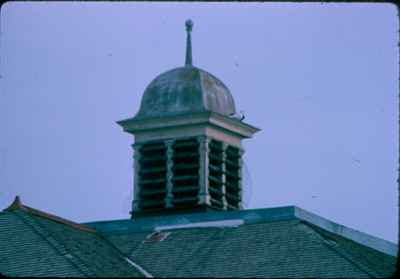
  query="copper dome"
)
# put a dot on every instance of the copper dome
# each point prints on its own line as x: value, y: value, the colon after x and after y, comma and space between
x: 185, y: 90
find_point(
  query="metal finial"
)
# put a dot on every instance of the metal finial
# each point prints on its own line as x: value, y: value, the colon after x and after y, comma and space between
x: 189, y: 26
x: 17, y: 204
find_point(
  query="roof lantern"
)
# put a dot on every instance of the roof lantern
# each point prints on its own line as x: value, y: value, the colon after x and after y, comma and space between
x: 188, y: 151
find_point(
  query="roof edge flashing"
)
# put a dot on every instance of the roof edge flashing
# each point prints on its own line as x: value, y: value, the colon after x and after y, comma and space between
x: 138, y: 267
x: 373, y: 242
x: 210, y: 224
x: 18, y: 205
x: 248, y: 216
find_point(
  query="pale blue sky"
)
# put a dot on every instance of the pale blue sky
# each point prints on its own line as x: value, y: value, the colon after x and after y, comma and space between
x: 320, y: 80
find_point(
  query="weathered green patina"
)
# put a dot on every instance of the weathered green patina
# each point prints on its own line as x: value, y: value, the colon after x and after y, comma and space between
x: 185, y: 90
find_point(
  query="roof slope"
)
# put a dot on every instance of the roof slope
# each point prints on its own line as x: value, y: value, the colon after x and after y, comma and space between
x: 25, y: 253
x: 271, y: 249
x: 34, y: 243
x: 277, y: 245
x: 375, y: 262
x: 275, y: 242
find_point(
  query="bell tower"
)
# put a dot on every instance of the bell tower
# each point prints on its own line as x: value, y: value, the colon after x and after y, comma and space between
x: 187, y: 143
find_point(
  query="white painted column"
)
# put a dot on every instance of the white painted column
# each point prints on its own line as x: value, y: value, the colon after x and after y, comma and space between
x: 224, y: 201
x: 240, y: 161
x: 204, y: 195
x: 136, y: 178
x: 170, y: 163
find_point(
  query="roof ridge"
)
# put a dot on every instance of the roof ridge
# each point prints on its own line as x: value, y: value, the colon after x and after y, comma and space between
x: 370, y: 241
x: 17, y: 204
x: 53, y: 242
x: 341, y: 252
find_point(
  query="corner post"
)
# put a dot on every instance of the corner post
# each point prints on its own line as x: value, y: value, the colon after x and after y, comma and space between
x: 204, y: 195
x: 136, y: 178
x: 240, y: 162
x: 170, y: 164
x: 224, y: 201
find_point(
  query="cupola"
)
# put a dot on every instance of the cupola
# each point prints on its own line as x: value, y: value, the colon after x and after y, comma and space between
x: 187, y: 143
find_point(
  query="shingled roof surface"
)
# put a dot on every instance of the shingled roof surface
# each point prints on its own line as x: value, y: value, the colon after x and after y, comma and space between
x: 34, y: 243
x: 276, y: 245
x: 273, y: 242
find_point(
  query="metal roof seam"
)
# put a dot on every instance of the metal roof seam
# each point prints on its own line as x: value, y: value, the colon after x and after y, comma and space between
x: 207, y: 224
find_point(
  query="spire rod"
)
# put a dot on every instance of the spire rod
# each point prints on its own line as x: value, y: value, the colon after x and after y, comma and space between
x: 189, y: 25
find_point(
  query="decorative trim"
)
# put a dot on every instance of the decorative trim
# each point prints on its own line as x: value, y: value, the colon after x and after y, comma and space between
x: 133, y: 125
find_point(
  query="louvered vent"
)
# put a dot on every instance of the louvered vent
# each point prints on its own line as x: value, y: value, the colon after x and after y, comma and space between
x: 187, y: 173
x: 152, y: 176
x: 215, y: 174
x: 185, y: 179
x: 232, y: 178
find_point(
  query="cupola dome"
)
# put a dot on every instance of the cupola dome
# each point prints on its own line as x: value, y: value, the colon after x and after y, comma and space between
x: 185, y: 90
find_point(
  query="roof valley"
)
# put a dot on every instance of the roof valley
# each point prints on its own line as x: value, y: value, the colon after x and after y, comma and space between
x: 127, y: 258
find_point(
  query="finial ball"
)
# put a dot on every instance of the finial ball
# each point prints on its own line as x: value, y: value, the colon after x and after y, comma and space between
x: 189, y: 25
